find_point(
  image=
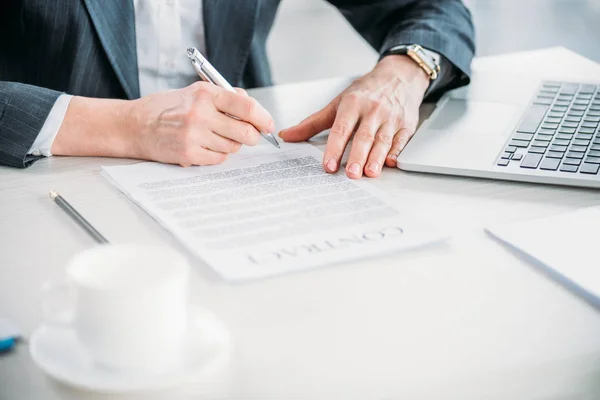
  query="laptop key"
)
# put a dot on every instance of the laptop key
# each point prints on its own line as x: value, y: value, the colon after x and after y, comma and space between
x: 567, y: 130
x: 523, y: 136
x: 586, y: 130
x: 595, y: 147
x: 570, y: 124
x: 581, y: 102
x: 590, y: 124
x: 594, y: 153
x: 562, y: 149
x: 543, y: 131
x: 573, y: 119
x: 543, y: 138
x: 531, y: 161
x: 537, y: 150
x: 547, y: 125
x: 587, y: 89
x: 555, y: 154
x: 569, y: 168
x: 573, y: 154
x: 569, y: 88
x: 592, y: 119
x: 517, y: 157
x: 578, y: 149
x: 507, y: 156
x: 519, y: 143
x: 510, y: 149
x: 550, y: 164
x: 581, y: 142
x: 532, y: 119
x: 541, y: 143
x: 578, y: 107
x: 571, y: 161
x: 593, y: 160
x: 591, y: 169
x: 584, y: 136
x: 565, y: 136
x: 503, y: 162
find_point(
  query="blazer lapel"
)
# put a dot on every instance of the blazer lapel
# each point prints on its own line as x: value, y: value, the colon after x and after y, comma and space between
x: 229, y: 28
x: 115, y: 25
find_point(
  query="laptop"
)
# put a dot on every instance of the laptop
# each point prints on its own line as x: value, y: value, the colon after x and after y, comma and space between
x: 513, y: 128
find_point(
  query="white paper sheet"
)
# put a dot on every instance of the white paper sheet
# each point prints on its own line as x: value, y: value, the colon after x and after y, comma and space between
x: 267, y: 211
x: 563, y: 246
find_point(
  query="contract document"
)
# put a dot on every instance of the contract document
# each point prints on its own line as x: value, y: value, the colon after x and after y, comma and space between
x: 268, y: 211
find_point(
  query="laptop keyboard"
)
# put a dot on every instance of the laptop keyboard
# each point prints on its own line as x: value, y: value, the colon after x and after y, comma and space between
x: 559, y: 132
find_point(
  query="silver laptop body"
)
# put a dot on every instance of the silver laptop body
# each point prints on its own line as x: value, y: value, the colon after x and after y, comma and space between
x: 512, y: 128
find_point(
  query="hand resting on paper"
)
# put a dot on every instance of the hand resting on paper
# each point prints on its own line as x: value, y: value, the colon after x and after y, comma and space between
x: 186, y: 126
x: 381, y: 110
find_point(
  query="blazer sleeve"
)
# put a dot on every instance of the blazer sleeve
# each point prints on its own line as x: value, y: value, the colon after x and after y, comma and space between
x: 443, y: 26
x: 23, y: 111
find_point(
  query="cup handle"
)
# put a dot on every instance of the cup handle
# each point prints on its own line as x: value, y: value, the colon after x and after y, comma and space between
x: 57, y: 304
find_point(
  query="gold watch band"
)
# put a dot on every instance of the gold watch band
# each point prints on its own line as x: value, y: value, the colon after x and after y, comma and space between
x: 420, y: 56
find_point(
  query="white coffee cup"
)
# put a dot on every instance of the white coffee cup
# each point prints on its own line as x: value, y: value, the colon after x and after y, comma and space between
x: 127, y: 304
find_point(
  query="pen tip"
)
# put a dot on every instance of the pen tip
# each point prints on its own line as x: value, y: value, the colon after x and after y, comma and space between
x: 53, y: 195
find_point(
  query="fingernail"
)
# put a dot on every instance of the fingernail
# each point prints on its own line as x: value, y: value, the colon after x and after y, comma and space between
x: 374, y: 166
x: 354, y: 169
x: 332, y: 165
x: 393, y: 157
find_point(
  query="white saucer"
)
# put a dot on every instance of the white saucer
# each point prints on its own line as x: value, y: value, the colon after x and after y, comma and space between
x: 57, y: 351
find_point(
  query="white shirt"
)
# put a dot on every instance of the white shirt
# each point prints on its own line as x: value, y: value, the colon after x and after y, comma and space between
x: 163, y: 30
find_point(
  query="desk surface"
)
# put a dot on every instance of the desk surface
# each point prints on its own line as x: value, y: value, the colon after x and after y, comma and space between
x: 461, y: 320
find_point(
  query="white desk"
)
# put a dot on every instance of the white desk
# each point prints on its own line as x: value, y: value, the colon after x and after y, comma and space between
x: 463, y: 320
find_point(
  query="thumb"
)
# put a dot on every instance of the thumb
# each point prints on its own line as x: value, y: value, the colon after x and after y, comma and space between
x: 316, y: 123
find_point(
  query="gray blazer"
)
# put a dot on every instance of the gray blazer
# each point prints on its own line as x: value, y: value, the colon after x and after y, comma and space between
x: 88, y: 48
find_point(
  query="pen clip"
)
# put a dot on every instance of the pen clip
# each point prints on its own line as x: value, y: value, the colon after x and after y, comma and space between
x: 200, y: 72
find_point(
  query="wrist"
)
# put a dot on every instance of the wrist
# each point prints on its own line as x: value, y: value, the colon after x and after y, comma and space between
x: 407, y: 69
x: 97, y: 127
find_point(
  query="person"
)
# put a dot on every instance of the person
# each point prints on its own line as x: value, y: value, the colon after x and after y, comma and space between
x: 111, y: 78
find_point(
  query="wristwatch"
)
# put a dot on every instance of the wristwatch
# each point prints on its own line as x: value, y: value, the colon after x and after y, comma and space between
x: 419, y: 55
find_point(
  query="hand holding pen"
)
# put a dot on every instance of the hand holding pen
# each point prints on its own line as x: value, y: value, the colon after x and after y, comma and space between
x: 208, y: 73
x: 191, y: 126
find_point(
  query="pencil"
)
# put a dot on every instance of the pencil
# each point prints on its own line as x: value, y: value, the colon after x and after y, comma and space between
x: 62, y: 203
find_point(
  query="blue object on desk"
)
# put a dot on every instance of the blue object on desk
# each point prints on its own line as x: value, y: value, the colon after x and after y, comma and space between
x: 7, y: 344
x: 9, y: 335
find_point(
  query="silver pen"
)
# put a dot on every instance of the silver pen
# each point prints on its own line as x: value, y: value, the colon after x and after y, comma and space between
x: 208, y: 73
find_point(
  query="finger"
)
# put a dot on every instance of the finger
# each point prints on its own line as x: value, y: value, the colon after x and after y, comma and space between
x: 400, y: 140
x: 379, y: 151
x: 245, y: 108
x: 241, y: 91
x: 311, y: 126
x: 361, y: 146
x: 221, y: 144
x: 232, y: 129
x: 341, y: 131
x: 198, y: 155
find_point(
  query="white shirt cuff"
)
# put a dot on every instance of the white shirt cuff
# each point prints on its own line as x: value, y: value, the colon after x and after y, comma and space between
x: 43, y: 142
